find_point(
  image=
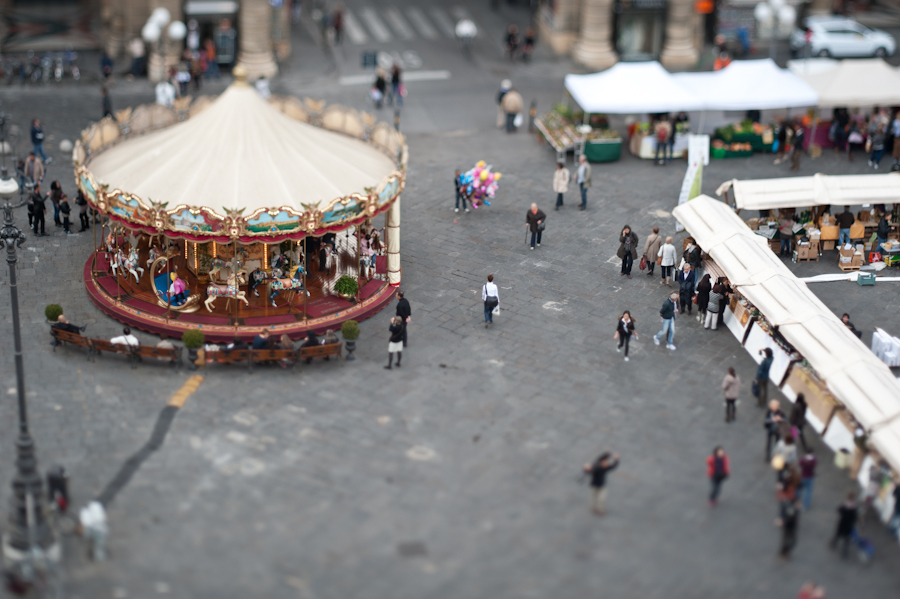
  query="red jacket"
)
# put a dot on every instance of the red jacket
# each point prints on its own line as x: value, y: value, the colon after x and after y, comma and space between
x: 710, y: 466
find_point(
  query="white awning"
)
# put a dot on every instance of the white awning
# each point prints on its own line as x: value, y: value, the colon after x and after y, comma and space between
x: 858, y: 82
x: 631, y: 88
x: 818, y: 190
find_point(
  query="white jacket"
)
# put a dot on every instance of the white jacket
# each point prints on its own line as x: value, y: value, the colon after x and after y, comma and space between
x: 561, y: 180
x: 667, y: 251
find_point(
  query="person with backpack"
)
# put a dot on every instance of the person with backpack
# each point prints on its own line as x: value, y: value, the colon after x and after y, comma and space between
x: 662, y: 131
x: 717, y: 469
x: 491, y: 299
x: 37, y: 210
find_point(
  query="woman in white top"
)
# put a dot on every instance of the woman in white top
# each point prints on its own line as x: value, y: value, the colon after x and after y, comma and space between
x: 491, y: 299
x: 667, y: 261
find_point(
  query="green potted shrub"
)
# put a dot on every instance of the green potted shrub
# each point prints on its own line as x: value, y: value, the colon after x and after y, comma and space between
x: 346, y: 287
x: 53, y: 312
x: 193, y: 340
x: 350, y: 332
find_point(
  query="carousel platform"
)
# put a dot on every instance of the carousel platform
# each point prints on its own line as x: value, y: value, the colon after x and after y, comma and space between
x: 133, y: 303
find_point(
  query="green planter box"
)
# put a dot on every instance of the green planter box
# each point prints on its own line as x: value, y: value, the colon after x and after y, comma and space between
x: 722, y: 153
x: 603, y: 150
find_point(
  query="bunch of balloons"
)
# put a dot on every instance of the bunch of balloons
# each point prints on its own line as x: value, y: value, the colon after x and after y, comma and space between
x: 480, y: 183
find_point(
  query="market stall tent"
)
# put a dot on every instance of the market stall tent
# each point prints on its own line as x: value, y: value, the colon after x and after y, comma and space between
x: 749, y: 85
x: 631, y: 88
x: 812, y: 66
x: 866, y: 82
x: 817, y: 190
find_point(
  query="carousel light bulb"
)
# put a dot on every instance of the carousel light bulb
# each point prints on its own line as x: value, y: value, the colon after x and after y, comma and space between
x: 195, y: 256
x: 214, y: 248
x: 185, y: 251
x: 265, y: 256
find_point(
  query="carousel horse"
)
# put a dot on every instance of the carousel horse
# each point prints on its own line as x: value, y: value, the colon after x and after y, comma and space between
x: 230, y: 290
x: 219, y: 263
x: 153, y: 256
x: 279, y: 262
x: 129, y: 263
x: 257, y: 277
x: 280, y: 283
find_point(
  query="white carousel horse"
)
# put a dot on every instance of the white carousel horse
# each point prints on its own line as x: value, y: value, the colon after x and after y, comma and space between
x: 229, y: 290
x: 280, y: 283
x: 153, y: 256
x: 218, y: 264
x: 129, y: 263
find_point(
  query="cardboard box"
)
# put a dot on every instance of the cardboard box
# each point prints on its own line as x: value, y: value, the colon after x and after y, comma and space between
x: 827, y: 245
x: 857, y: 230
x: 775, y: 245
x: 865, y: 215
x: 753, y: 223
x: 829, y: 232
x: 802, y: 252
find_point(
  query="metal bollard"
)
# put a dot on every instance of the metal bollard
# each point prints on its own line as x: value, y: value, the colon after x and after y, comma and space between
x: 532, y: 114
x: 397, y: 119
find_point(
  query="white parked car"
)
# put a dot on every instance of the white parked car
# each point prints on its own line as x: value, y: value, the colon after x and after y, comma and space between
x: 842, y: 38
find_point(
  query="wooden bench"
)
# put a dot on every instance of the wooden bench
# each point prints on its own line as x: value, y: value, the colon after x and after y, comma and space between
x: 319, y: 351
x: 66, y: 337
x: 163, y: 354
x: 102, y: 345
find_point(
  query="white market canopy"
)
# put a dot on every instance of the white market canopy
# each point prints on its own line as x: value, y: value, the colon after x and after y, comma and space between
x: 242, y: 152
x: 861, y: 82
x: 856, y: 377
x: 749, y: 85
x: 631, y: 88
x: 817, y: 190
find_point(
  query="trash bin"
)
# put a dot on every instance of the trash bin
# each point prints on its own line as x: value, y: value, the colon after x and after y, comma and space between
x: 58, y: 486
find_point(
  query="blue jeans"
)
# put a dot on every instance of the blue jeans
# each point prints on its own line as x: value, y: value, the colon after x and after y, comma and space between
x: 806, y: 489
x: 395, y: 93
x: 785, y: 246
x: 559, y: 200
x: 39, y: 151
x: 843, y: 236
x: 583, y: 194
x: 56, y: 213
x: 536, y: 236
x: 488, y: 314
x: 876, y: 156
x: 460, y: 196
x: 668, y: 324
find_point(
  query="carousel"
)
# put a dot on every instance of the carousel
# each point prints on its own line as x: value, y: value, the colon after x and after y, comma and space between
x: 234, y: 213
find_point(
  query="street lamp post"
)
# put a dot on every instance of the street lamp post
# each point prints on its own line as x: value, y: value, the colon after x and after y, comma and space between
x: 28, y: 537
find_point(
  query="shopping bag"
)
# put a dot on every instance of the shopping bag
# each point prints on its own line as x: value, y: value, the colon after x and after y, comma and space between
x: 375, y: 94
x: 644, y: 262
x: 496, y: 311
x: 402, y: 89
x: 517, y: 122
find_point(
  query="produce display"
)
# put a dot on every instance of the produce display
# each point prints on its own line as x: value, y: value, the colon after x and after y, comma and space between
x: 557, y: 130
x: 601, y: 134
x: 732, y: 147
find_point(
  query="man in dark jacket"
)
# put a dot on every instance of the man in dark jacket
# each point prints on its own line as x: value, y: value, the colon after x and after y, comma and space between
x: 37, y: 140
x: 772, y: 423
x: 38, y: 210
x: 686, y: 282
x: 404, y: 312
x: 790, y: 522
x: 64, y: 325
x: 762, y: 377
x: 847, y: 514
x: 844, y: 220
x: 534, y: 218
x: 598, y: 471
x: 884, y: 229
x: 628, y: 241
x: 667, y: 317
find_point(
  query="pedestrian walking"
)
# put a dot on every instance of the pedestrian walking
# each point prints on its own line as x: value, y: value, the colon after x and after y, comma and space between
x: 662, y: 130
x: 396, y: 91
x: 651, y: 249
x: 512, y: 42
x: 625, y: 331
x: 797, y: 419
x: 404, y: 313
x: 37, y: 140
x: 711, y: 320
x: 717, y: 469
x: 628, y: 241
x: 704, y: 288
x: 583, y: 178
x: 790, y: 523
x: 787, y: 451
x: 667, y: 317
x: 56, y: 193
x: 505, y: 86
x: 847, y: 515
x: 685, y: 279
x: 395, y: 345
x: 772, y: 424
x: 491, y: 298
x: 666, y: 260
x: 781, y: 138
x: 34, y: 169
x: 38, y: 209
x: 82, y: 204
x: 877, y: 148
x: 731, y: 386
x: 459, y: 192
x: 512, y: 104
x: 797, y: 146
x: 807, y: 476
x: 560, y: 183
x: 65, y: 210
x: 337, y: 23
x: 379, y: 88
x: 598, y: 471
x: 762, y: 377
x: 535, y: 218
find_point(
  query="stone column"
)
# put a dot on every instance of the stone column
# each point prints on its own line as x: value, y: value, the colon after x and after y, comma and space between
x: 281, y: 33
x: 594, y: 48
x: 679, y: 50
x: 392, y: 232
x: 256, y: 53
x: 165, y: 54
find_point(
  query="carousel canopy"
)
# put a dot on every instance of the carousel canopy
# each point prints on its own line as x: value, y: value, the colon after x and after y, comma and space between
x: 242, y: 152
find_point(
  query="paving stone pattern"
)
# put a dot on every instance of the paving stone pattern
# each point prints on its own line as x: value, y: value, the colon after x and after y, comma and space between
x: 457, y: 475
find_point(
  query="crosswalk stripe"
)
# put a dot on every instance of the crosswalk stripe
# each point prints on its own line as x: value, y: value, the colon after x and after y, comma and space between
x: 399, y: 24
x: 459, y: 13
x: 376, y: 27
x: 368, y: 78
x: 443, y: 22
x: 354, y: 30
x: 421, y: 23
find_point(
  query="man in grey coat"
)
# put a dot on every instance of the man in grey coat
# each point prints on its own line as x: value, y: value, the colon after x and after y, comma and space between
x: 583, y: 179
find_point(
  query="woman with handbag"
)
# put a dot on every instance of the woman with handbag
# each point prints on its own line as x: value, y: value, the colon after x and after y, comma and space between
x: 731, y: 385
x: 491, y: 299
x: 535, y: 218
x: 628, y: 241
x: 624, y: 331
x: 651, y: 248
x: 666, y: 259
x: 702, y: 297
